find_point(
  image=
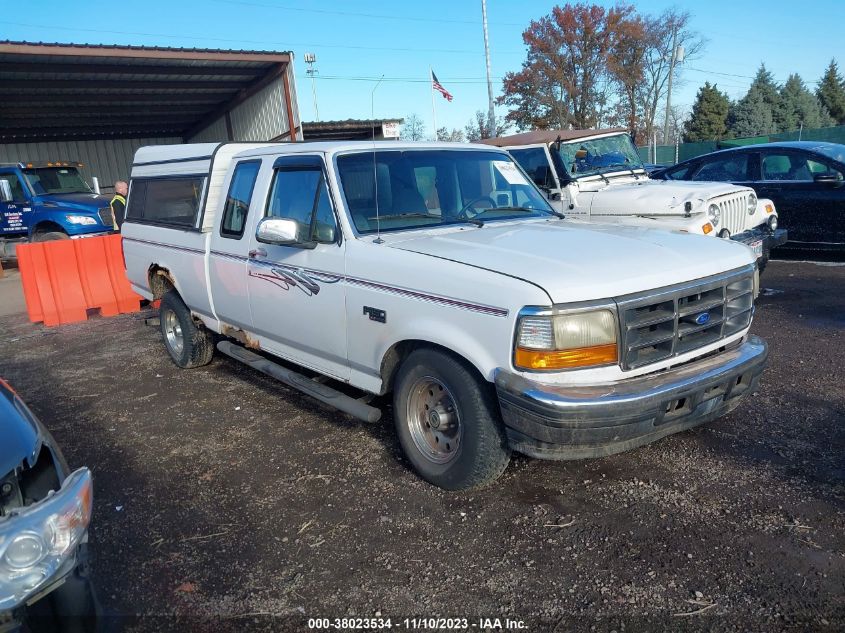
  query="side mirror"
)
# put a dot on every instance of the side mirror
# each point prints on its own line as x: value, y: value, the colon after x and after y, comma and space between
x: 828, y: 178
x: 5, y: 191
x: 278, y: 231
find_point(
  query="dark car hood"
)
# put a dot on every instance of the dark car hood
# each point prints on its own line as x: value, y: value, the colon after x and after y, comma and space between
x: 89, y: 202
x: 21, y: 436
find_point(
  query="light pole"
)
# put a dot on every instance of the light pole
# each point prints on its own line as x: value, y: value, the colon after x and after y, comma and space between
x: 491, y: 115
x: 677, y: 57
x: 310, y: 59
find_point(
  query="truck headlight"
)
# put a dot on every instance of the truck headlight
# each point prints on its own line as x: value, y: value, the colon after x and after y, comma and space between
x: 714, y: 214
x: 566, y: 341
x: 35, y: 541
x: 81, y: 219
x: 752, y: 204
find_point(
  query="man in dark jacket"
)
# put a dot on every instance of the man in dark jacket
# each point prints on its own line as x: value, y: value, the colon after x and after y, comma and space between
x: 118, y: 204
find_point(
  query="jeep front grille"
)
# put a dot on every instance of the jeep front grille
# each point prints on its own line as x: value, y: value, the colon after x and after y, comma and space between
x: 679, y: 319
x: 734, y: 210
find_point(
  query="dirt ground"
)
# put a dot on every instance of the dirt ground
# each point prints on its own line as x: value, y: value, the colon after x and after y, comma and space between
x: 225, y: 501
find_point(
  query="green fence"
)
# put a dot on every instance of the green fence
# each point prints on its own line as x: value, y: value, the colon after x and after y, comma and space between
x: 666, y: 154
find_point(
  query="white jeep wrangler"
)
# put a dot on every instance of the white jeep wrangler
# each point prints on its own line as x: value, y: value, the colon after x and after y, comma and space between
x: 598, y: 175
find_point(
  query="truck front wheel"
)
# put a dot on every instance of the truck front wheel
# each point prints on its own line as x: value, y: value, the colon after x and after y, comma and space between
x: 189, y: 344
x: 448, y: 422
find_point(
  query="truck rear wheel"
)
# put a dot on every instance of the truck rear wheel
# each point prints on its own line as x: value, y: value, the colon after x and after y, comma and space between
x: 50, y: 236
x: 448, y: 421
x: 189, y: 344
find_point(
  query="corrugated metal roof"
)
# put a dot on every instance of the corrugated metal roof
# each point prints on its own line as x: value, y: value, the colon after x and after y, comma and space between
x: 56, y: 91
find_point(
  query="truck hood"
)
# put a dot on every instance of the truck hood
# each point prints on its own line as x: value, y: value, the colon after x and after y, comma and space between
x: 87, y: 202
x: 21, y: 438
x: 580, y: 261
x: 654, y: 197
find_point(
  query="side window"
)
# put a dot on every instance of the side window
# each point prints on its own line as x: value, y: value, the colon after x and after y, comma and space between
x: 816, y: 168
x: 726, y: 169
x: 794, y: 167
x: 173, y: 201
x: 302, y: 195
x: 535, y: 164
x: 237, y: 201
x: 15, y: 184
x: 680, y: 173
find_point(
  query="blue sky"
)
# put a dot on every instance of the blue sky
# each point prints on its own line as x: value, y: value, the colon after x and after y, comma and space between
x: 356, y: 41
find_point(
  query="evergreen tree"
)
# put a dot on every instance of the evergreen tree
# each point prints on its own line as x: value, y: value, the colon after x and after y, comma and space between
x: 831, y: 93
x: 751, y: 116
x: 800, y: 106
x: 709, y: 120
x: 760, y: 111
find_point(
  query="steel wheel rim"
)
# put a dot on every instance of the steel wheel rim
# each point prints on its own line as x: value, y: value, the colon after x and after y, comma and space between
x: 173, y: 332
x: 434, y: 421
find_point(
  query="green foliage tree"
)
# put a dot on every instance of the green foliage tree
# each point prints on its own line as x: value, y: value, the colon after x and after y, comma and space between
x: 760, y: 111
x: 831, y: 93
x: 455, y: 136
x: 800, y: 107
x: 709, y: 120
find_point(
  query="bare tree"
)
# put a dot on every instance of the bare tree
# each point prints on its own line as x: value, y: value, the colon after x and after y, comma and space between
x: 479, y: 127
x: 413, y: 129
x: 659, y: 32
x: 455, y: 136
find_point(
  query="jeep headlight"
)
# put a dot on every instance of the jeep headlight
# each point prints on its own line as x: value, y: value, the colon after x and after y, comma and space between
x: 566, y: 341
x: 714, y: 214
x: 81, y: 219
x: 35, y: 541
x: 752, y: 204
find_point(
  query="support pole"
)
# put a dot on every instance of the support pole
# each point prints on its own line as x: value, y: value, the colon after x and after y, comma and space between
x: 491, y: 115
x: 669, y: 91
x: 433, y: 107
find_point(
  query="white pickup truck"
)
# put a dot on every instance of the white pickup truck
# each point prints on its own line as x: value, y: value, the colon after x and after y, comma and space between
x: 440, y: 273
x: 598, y: 175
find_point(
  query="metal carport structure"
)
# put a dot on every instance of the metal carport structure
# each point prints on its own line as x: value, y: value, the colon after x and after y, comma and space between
x: 99, y: 103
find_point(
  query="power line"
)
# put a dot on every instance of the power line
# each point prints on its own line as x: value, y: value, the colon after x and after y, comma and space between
x: 453, y: 80
x: 286, y: 45
x: 358, y: 14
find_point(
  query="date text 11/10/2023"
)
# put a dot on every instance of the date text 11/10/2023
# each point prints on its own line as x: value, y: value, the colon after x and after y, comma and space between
x: 417, y: 624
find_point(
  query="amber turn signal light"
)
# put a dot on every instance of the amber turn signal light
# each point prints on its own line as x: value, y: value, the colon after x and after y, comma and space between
x: 707, y: 228
x: 566, y: 358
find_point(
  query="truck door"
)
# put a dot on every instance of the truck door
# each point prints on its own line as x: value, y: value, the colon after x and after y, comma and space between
x: 227, y: 261
x: 14, y: 212
x: 297, y: 293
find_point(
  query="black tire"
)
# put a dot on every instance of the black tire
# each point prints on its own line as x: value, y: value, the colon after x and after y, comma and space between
x: 482, y: 452
x: 197, y: 346
x: 50, y: 236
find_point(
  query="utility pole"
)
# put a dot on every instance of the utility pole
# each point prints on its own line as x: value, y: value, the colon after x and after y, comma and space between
x: 310, y: 58
x: 669, y: 91
x: 491, y: 115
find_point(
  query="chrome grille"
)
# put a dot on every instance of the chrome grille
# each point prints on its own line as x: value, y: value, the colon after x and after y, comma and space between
x: 734, y: 209
x: 669, y: 322
x: 105, y: 216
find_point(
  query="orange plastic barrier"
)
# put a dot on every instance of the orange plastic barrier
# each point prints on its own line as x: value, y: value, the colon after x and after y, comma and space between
x: 64, y: 279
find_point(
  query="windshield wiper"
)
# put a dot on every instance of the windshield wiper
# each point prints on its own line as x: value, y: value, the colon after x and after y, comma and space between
x: 523, y: 210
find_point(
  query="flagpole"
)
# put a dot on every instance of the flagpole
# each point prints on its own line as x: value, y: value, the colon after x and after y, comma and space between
x: 433, y: 106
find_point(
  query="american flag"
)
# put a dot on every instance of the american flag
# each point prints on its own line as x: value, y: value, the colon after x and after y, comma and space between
x: 436, y: 85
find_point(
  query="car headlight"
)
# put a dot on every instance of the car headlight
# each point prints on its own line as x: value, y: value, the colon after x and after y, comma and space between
x: 752, y: 204
x: 714, y: 214
x: 81, y: 219
x: 35, y: 541
x: 773, y: 223
x: 566, y: 341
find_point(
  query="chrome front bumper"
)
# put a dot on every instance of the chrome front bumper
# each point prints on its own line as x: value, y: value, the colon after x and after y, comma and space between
x: 565, y: 422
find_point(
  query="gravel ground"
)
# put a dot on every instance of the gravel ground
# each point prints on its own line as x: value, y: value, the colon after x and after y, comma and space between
x: 225, y: 501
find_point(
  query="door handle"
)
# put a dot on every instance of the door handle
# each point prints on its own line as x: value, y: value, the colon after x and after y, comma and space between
x: 257, y: 252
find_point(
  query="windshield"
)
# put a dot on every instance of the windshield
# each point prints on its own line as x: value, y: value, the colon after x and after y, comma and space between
x: 425, y: 188
x: 56, y: 180
x: 598, y: 156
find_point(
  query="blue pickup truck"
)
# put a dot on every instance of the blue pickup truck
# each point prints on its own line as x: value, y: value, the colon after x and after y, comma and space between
x: 48, y: 201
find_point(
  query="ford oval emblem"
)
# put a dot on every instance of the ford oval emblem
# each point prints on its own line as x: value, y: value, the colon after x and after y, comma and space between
x: 702, y: 318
